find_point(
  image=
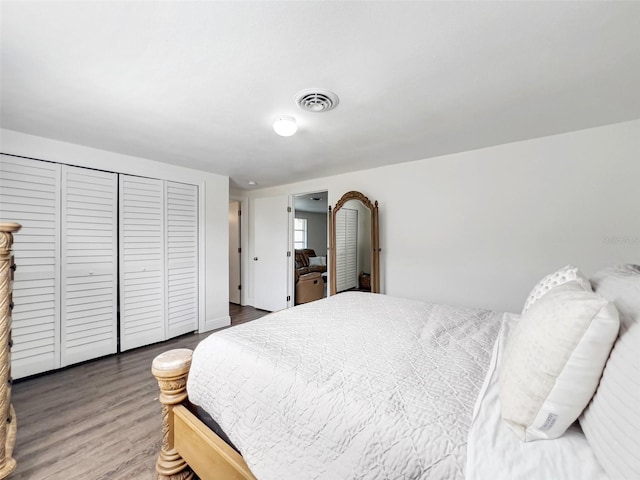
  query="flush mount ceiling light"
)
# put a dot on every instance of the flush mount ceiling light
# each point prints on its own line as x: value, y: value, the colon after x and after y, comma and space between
x: 317, y: 100
x: 285, y: 126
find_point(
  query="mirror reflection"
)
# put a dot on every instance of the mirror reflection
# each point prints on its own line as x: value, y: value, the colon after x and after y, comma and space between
x: 310, y: 243
x: 354, y: 239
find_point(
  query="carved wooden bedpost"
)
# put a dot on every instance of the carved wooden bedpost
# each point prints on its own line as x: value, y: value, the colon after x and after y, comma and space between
x: 171, y: 370
x: 8, y: 422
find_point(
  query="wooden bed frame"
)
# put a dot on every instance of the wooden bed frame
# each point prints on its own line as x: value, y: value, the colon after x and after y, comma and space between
x: 8, y: 424
x: 188, y: 445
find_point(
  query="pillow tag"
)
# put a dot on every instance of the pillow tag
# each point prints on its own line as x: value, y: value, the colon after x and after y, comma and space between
x: 548, y: 423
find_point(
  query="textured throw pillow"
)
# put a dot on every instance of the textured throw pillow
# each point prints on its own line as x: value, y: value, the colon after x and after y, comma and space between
x: 566, y: 274
x: 317, y: 261
x: 611, y: 422
x: 554, y: 359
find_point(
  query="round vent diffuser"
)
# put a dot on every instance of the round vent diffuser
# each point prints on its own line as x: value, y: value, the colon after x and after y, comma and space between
x: 317, y: 100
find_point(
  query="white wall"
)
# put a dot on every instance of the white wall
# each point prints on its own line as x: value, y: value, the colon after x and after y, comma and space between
x: 479, y: 228
x: 214, y: 198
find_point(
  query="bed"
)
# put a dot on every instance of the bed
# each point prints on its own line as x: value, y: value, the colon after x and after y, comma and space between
x: 369, y: 386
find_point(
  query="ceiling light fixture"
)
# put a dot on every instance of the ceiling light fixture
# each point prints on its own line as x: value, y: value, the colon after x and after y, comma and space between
x: 285, y: 126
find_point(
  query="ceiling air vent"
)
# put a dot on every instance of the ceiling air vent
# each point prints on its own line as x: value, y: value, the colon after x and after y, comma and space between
x: 316, y: 100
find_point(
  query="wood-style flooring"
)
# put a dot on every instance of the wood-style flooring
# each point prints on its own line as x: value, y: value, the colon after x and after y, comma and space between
x: 99, y: 420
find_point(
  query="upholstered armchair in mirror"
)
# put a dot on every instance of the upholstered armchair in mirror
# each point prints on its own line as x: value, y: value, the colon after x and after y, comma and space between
x: 354, y: 252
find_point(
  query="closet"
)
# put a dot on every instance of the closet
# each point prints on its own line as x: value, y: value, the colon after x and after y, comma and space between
x: 107, y: 262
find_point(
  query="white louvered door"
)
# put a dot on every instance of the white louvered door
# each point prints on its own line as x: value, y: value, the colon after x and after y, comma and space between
x: 352, y: 248
x: 341, y: 251
x: 89, y: 264
x: 181, y: 233
x: 346, y: 249
x: 142, y: 292
x: 29, y: 195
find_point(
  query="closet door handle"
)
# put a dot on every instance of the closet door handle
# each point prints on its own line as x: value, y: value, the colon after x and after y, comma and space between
x: 255, y: 258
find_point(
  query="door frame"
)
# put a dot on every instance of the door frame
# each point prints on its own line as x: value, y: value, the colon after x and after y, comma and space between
x: 292, y: 202
x: 235, y: 255
x: 244, y: 245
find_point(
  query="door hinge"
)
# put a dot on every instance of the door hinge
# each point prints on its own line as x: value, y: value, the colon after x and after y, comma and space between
x: 288, y: 209
x: 239, y: 213
x: 239, y: 287
x: 239, y: 249
x: 288, y: 298
x: 289, y: 253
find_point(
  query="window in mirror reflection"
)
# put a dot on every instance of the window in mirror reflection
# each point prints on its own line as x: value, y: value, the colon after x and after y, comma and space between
x: 300, y: 233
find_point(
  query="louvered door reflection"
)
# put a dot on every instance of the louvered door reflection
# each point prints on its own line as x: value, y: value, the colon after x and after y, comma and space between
x: 142, y: 304
x: 352, y: 248
x: 182, y: 258
x: 89, y: 264
x: 29, y: 195
x: 346, y: 249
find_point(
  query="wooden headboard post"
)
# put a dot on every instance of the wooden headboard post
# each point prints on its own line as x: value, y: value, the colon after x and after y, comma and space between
x: 7, y: 414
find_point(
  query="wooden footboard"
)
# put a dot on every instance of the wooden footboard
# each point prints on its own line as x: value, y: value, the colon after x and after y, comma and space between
x: 188, y: 445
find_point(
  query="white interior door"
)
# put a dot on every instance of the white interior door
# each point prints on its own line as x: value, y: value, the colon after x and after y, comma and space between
x: 89, y: 264
x: 272, y: 218
x: 181, y: 282
x: 234, y: 252
x: 30, y: 195
x: 142, y: 302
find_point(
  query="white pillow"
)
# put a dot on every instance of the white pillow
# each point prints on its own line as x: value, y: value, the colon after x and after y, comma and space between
x: 568, y: 273
x: 317, y: 261
x: 611, y: 422
x: 554, y: 359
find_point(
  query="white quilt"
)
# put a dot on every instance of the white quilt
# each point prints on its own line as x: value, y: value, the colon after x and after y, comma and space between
x: 356, y: 386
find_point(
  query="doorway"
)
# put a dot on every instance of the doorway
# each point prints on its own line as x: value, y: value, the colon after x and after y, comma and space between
x: 310, y: 243
x: 235, y: 252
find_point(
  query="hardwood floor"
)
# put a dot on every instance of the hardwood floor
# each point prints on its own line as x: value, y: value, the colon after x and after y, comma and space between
x: 99, y: 420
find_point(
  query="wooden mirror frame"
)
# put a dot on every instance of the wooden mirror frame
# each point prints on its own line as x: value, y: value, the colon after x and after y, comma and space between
x: 375, y: 246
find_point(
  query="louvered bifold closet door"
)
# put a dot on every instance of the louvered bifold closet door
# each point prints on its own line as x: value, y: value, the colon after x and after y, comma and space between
x: 346, y: 249
x: 352, y: 248
x: 182, y: 258
x: 142, y: 304
x: 89, y: 264
x: 29, y: 195
x: 341, y: 250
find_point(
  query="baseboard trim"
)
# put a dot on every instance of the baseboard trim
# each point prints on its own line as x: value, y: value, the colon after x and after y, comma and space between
x: 213, y: 323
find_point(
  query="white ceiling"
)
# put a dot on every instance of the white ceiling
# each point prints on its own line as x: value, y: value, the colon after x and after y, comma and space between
x: 312, y: 202
x: 200, y: 83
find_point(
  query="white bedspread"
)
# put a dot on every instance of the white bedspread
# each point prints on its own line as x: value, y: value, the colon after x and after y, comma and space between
x: 356, y: 386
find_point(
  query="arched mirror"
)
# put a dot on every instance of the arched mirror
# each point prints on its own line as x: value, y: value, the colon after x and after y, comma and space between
x: 354, y: 253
